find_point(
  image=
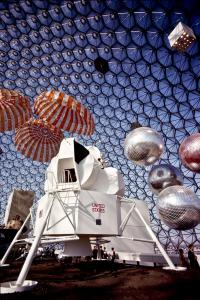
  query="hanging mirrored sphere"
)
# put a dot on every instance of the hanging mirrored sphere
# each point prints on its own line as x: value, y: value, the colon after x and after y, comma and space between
x: 143, y: 146
x: 189, y: 152
x: 178, y: 207
x: 163, y: 176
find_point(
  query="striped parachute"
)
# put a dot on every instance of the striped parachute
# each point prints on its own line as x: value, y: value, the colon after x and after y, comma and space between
x: 38, y: 140
x: 64, y: 112
x: 14, y: 110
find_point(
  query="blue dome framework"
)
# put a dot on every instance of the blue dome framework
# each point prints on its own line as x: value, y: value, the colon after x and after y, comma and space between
x: 53, y: 44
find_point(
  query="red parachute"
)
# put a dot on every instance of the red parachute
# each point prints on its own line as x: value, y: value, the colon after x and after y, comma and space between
x: 14, y: 110
x: 64, y: 112
x: 38, y: 140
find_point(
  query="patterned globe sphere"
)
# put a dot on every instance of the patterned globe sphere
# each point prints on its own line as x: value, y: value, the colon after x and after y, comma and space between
x: 189, y: 152
x: 163, y: 176
x: 143, y: 146
x: 179, y: 207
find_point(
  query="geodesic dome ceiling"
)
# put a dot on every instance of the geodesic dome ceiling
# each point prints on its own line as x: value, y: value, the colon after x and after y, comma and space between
x: 58, y: 44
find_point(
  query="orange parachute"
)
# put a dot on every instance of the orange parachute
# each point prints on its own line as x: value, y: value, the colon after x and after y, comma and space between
x: 14, y: 110
x: 64, y: 112
x: 38, y: 140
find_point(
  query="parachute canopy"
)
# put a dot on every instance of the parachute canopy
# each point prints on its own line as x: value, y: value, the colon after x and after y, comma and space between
x: 14, y: 110
x: 64, y: 112
x: 38, y: 140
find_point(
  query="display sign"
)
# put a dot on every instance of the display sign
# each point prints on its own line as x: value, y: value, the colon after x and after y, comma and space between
x: 98, y: 207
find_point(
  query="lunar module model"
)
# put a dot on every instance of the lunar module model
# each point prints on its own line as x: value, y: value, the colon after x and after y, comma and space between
x: 84, y: 204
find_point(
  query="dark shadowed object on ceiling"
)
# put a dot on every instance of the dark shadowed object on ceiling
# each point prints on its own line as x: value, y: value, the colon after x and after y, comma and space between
x: 101, y: 65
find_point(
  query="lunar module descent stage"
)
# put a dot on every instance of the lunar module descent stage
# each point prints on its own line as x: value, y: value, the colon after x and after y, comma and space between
x: 84, y: 202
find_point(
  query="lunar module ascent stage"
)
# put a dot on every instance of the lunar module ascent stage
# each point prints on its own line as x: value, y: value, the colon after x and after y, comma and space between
x: 83, y: 204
